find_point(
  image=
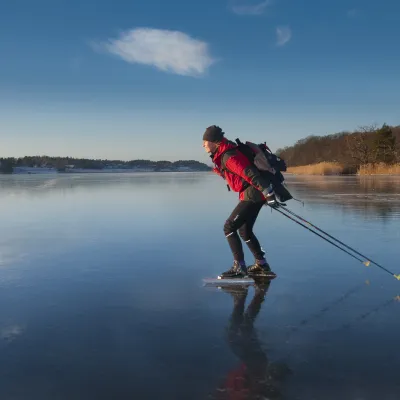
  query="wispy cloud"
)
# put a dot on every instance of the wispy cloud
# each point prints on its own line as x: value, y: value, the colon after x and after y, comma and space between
x: 169, y: 51
x: 251, y: 9
x: 283, y: 35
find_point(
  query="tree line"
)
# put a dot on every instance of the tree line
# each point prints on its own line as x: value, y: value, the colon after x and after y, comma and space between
x: 367, y: 145
x: 61, y: 163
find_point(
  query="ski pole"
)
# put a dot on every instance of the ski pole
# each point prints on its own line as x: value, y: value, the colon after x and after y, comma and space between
x: 316, y: 233
x: 366, y: 263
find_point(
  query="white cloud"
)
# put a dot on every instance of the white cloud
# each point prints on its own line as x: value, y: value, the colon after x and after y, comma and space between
x: 283, y: 35
x: 254, y: 9
x: 169, y: 51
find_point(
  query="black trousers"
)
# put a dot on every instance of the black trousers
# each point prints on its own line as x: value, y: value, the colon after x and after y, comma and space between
x: 242, y: 220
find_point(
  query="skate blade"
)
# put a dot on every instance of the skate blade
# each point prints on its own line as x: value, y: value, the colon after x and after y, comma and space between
x: 228, y: 281
x: 263, y: 276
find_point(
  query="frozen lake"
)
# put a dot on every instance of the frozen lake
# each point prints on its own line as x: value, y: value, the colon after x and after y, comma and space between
x: 101, y: 291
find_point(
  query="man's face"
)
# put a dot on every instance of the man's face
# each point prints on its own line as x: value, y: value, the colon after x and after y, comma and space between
x: 210, y: 147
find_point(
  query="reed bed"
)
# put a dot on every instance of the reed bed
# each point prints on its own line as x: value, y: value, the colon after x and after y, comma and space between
x: 323, y: 168
x: 379, y: 169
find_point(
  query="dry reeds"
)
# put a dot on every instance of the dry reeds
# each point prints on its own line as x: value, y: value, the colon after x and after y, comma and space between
x: 379, y: 169
x: 323, y: 168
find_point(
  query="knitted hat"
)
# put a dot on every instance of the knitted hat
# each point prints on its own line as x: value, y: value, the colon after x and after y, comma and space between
x: 213, y: 134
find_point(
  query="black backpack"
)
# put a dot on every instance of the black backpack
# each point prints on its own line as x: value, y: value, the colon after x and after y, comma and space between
x: 269, y: 164
x: 262, y: 157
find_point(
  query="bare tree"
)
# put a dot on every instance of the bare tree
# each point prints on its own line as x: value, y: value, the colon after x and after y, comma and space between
x: 385, y: 145
x: 360, y: 144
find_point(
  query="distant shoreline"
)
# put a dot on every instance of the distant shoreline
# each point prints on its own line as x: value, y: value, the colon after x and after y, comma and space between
x: 53, y: 171
x: 46, y: 164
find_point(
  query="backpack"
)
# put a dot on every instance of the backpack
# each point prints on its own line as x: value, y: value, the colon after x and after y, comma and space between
x: 268, y: 163
x: 262, y: 157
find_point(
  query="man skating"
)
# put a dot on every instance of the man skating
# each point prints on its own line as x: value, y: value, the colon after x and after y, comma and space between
x: 254, y: 191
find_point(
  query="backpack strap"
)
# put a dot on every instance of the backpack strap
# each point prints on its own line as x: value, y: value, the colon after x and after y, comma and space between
x: 223, y: 162
x: 225, y: 168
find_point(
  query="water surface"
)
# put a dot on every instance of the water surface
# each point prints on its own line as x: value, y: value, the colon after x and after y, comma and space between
x: 101, y: 294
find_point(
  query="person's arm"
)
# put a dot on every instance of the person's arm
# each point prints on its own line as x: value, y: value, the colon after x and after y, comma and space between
x: 240, y: 165
x: 217, y: 171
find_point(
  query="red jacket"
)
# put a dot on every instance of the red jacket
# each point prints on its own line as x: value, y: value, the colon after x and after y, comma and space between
x: 241, y: 175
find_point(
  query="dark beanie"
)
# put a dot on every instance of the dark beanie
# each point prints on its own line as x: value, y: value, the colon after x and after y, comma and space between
x: 213, y: 134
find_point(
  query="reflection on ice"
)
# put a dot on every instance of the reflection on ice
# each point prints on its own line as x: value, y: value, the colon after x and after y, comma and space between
x: 369, y: 196
x: 255, y: 376
x: 11, y: 332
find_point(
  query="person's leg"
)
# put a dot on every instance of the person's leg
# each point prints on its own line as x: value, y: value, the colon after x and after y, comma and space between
x: 232, y: 224
x: 247, y: 234
x: 238, y: 217
x: 261, y: 266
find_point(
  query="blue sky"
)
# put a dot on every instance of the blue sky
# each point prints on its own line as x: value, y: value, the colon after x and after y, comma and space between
x: 143, y: 79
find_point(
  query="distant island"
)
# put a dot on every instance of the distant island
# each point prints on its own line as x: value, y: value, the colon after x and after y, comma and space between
x: 367, y: 151
x: 46, y: 164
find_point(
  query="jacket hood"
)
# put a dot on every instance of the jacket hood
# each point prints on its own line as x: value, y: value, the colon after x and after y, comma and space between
x: 224, y: 146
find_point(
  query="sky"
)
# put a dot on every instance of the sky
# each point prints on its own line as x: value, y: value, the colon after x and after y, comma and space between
x: 121, y: 79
